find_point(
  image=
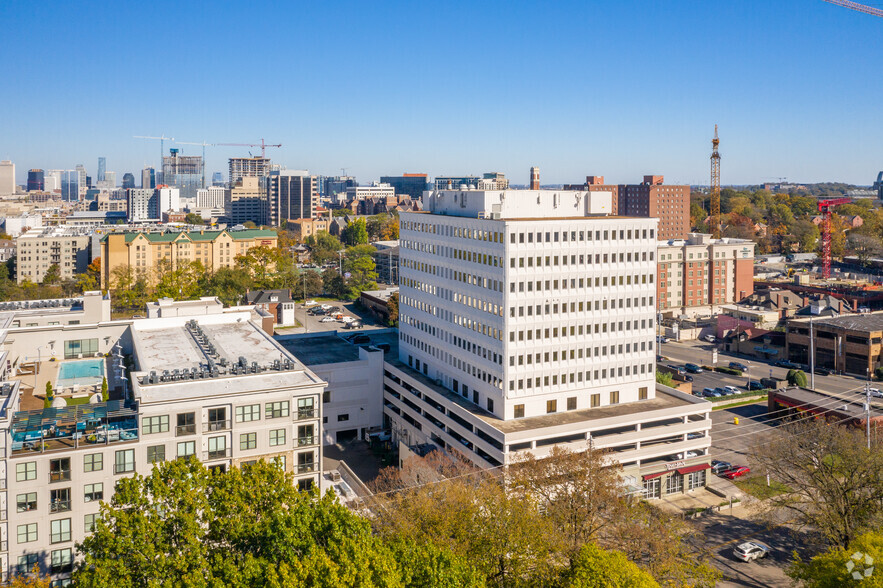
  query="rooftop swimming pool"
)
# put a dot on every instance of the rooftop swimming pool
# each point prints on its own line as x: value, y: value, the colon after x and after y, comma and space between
x: 88, y: 372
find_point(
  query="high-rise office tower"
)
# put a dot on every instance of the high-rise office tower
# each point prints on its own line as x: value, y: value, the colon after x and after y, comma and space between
x: 246, y: 201
x: 248, y: 167
x: 335, y: 185
x: 7, y: 178
x: 411, y: 185
x: 217, y: 179
x: 148, y: 178
x: 110, y: 180
x: 102, y: 168
x: 128, y: 181
x: 52, y: 180
x: 36, y: 181
x: 82, y: 184
x: 291, y: 195
x: 183, y: 172
x: 70, y: 185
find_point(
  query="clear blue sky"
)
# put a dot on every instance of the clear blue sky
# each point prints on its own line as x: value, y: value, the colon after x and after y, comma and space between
x: 614, y: 88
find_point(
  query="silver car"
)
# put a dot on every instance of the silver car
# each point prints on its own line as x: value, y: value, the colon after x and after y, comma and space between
x: 751, y: 550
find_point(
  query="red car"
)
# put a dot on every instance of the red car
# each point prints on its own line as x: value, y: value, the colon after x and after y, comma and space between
x: 736, y: 472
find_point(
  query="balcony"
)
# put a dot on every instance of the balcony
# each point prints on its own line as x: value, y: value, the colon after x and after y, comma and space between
x: 184, y: 430
x: 303, y: 468
x: 302, y: 415
x: 60, y: 476
x: 72, y: 427
x: 303, y: 441
x: 60, y: 506
x: 122, y: 468
x: 216, y: 426
x: 217, y: 454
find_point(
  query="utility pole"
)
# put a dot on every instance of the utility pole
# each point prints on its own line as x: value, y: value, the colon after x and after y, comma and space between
x: 812, y: 359
x: 868, y: 407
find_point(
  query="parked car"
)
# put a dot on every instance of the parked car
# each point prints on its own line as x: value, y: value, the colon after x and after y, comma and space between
x: 736, y: 472
x: 695, y: 435
x: 732, y: 390
x: 787, y: 363
x: 681, y: 456
x: 709, y: 338
x: 751, y: 550
x: 876, y: 393
x: 693, y: 368
x: 360, y: 339
x: 347, y: 319
x: 334, y: 309
x: 310, y: 303
x: 823, y: 371
x: 738, y: 366
x: 353, y: 325
x: 326, y: 307
x: 721, y: 391
x: 710, y: 393
x: 326, y: 319
x: 680, y: 371
x: 719, y: 467
x: 754, y: 385
x: 663, y: 339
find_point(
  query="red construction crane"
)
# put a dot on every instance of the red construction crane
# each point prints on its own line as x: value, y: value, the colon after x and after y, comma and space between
x: 857, y: 7
x: 262, y: 145
x: 825, y: 207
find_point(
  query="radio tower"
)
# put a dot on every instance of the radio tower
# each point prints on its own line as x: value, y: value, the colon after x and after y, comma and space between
x: 715, y: 187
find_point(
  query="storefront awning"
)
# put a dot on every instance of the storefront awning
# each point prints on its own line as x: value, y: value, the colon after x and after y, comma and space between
x: 693, y: 468
x: 651, y: 476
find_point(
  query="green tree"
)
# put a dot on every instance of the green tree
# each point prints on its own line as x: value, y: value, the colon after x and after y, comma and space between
x: 228, y: 284
x: 831, y: 569
x: 333, y: 284
x: 356, y: 232
x: 796, y: 378
x: 184, y: 282
x: 392, y: 305
x: 52, y: 275
x: 593, y: 567
x: 360, y: 265
x: 342, y: 212
x: 268, y: 267
x: 194, y: 219
x: 324, y: 247
x: 249, y: 225
x: 311, y: 280
x: 104, y: 395
x: 665, y: 379
x: 50, y: 395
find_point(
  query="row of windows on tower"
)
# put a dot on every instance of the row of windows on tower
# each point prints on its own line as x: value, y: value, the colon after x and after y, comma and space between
x: 580, y: 377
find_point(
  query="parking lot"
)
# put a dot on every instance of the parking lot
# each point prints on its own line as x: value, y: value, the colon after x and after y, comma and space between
x: 319, y: 323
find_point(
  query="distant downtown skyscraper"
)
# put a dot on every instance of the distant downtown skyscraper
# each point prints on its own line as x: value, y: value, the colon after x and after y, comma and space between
x: 102, y: 167
x: 148, y: 178
x: 35, y: 180
x: 217, y: 179
x: 7, y: 178
x: 128, y: 180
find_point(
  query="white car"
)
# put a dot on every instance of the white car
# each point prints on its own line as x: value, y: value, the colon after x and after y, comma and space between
x: 310, y: 303
x: 347, y: 319
x: 751, y: 550
x: 876, y: 393
x: 732, y: 390
x: 325, y: 307
x: 326, y: 319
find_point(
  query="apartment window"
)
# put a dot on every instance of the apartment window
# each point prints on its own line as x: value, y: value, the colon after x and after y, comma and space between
x: 519, y: 411
x: 248, y: 413
x: 596, y: 400
x: 60, y: 469
x: 155, y: 424
x: 26, y: 502
x: 124, y: 461
x: 326, y: 396
x: 490, y: 405
x: 27, y: 533
x: 642, y: 393
x: 551, y: 406
x: 62, y: 562
x: 186, y: 449
x: 277, y: 437
x: 60, y: 500
x: 341, y: 418
x: 614, y: 397
x: 25, y: 471
x: 92, y: 492
x: 305, y: 408
x: 217, y: 447
x: 27, y: 562
x: 248, y: 441
x: 60, y: 531
x: 571, y: 403
x: 186, y: 424
x: 89, y: 522
x: 280, y: 461
x: 156, y: 454
x: 275, y: 410
x: 305, y: 462
x: 78, y: 347
x: 93, y: 462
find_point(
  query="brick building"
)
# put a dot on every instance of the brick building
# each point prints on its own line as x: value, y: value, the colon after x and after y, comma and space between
x: 850, y: 344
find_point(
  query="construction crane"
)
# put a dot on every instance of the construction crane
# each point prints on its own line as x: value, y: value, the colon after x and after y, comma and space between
x: 204, y: 145
x: 262, y: 145
x: 825, y: 207
x: 856, y: 6
x: 715, y: 205
x: 162, y: 141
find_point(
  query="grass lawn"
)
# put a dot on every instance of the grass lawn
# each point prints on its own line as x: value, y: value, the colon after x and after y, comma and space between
x: 735, y: 404
x: 756, y: 486
x: 74, y: 401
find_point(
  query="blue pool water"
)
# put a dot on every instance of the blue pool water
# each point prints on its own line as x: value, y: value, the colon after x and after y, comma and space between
x: 80, y: 373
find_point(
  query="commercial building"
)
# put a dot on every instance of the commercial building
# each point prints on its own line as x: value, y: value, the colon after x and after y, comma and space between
x: 244, y: 201
x: 527, y: 321
x: 487, y: 181
x: 412, y: 185
x: 129, y: 181
x: 7, y: 178
x: 145, y: 205
x: 847, y: 344
x: 699, y: 274
x: 148, y: 178
x: 302, y: 228
x: 39, y: 249
x: 386, y: 262
x: 70, y: 186
x: 141, y: 251
x: 248, y: 167
x: 36, y: 183
x: 82, y: 181
x: 16, y: 225
x: 332, y: 186
x: 355, y: 194
x: 185, y: 172
x: 214, y: 387
x: 211, y: 197
x: 291, y: 195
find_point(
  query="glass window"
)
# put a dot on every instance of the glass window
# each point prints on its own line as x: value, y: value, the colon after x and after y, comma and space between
x: 156, y: 424
x: 77, y: 347
x: 571, y: 403
x: 62, y: 561
x: 248, y: 441
x: 251, y: 412
x: 27, y: 562
x: 60, y: 530
x: 551, y: 406
x: 277, y: 437
x: 275, y: 410
x: 305, y: 434
x: 305, y: 408
x: 186, y: 449
x: 156, y: 453
x: 124, y: 461
x: 89, y: 522
x: 60, y: 500
x: 186, y: 424
x: 217, y: 447
x: 26, y: 502
x: 519, y: 411
x: 305, y: 462
x: 279, y: 460
x: 27, y: 533
x: 93, y: 492
x: 93, y: 462
x: 25, y: 471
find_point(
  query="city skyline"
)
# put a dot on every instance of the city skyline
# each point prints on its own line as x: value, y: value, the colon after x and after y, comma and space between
x: 577, y: 88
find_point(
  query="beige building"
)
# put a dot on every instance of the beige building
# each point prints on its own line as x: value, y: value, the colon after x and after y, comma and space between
x: 214, y: 249
x: 245, y: 201
x: 304, y: 227
x: 39, y: 249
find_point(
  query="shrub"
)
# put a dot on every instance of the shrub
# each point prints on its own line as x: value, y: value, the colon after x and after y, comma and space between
x: 728, y: 370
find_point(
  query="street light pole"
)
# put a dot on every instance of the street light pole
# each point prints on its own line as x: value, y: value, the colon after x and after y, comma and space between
x: 812, y: 359
x: 868, y: 407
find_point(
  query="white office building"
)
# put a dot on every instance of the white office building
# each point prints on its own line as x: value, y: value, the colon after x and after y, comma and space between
x: 527, y: 321
x: 7, y: 178
x: 211, y: 197
x: 356, y: 193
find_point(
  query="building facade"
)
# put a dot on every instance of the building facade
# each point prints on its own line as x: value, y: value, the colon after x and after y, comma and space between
x: 291, y: 195
x: 699, y: 274
x: 148, y: 178
x: 36, y: 183
x: 7, y: 178
x: 653, y: 198
x: 850, y: 344
x: 248, y: 167
x: 411, y: 185
x: 39, y: 249
x: 185, y: 172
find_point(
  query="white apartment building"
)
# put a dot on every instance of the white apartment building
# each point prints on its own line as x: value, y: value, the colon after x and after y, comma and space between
x: 68, y: 247
x: 169, y: 200
x: 142, y: 205
x: 526, y: 321
x: 213, y: 386
x: 211, y: 197
x: 356, y: 193
x: 16, y: 225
